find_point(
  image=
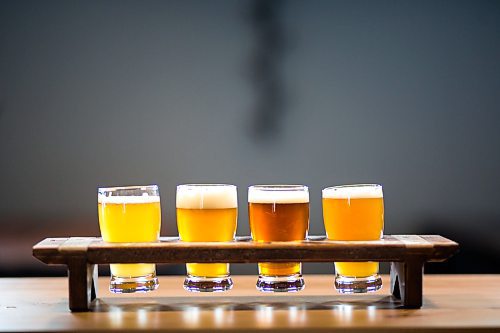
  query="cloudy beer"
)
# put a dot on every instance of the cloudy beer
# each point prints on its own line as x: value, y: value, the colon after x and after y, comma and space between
x: 279, y: 213
x: 205, y: 213
x: 130, y: 214
x: 354, y: 212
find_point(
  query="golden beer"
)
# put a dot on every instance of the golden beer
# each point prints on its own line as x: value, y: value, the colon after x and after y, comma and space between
x: 130, y: 218
x: 354, y: 213
x: 207, y: 213
x: 278, y: 213
x: 202, y: 225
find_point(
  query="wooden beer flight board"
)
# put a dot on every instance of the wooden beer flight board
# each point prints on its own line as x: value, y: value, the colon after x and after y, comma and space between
x: 407, y: 254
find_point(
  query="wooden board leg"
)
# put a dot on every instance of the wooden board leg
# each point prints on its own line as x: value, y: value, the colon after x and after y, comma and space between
x: 406, y: 282
x: 93, y: 274
x: 397, y: 272
x: 82, y: 284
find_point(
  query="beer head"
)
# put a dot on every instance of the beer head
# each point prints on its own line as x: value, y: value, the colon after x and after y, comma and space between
x: 357, y: 191
x: 285, y: 194
x: 128, y: 194
x: 206, y: 196
x: 128, y: 199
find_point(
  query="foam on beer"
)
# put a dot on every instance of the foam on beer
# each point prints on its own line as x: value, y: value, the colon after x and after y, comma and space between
x: 353, y: 192
x: 206, y: 197
x: 278, y: 196
x: 136, y: 199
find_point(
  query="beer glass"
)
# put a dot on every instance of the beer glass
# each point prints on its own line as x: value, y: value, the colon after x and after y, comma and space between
x: 354, y: 212
x: 130, y: 214
x: 207, y: 213
x: 279, y: 213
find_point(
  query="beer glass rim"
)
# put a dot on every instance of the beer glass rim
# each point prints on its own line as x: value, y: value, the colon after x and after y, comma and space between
x: 127, y: 187
x: 278, y: 187
x: 351, y: 186
x: 204, y: 185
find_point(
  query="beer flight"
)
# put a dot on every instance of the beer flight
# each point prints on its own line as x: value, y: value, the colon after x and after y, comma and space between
x: 209, y: 213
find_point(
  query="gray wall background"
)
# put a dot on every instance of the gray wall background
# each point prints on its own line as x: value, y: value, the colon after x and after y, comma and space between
x: 402, y: 93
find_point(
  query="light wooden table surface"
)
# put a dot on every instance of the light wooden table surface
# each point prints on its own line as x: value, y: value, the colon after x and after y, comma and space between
x: 457, y: 303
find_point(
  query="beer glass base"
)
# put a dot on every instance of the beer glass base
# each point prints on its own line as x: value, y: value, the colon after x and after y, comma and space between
x: 120, y: 285
x: 280, y: 283
x: 207, y: 284
x: 357, y: 285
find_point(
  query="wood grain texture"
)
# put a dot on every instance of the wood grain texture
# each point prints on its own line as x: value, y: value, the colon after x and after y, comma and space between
x: 458, y: 303
x: 243, y: 250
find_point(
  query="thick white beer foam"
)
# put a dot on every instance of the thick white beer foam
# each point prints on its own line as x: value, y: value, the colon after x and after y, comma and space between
x: 256, y: 195
x: 353, y: 192
x: 128, y: 199
x: 206, y: 197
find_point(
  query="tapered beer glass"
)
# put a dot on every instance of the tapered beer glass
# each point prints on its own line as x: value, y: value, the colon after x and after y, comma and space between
x: 279, y: 213
x: 354, y: 213
x: 130, y: 214
x: 207, y: 213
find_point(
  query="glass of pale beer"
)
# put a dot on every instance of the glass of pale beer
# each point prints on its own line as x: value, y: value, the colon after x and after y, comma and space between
x: 130, y: 214
x: 279, y: 213
x: 207, y: 213
x: 354, y: 213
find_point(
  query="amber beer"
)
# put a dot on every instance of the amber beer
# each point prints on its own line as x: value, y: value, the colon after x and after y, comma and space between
x: 207, y: 213
x: 279, y: 213
x: 354, y: 212
x: 130, y: 214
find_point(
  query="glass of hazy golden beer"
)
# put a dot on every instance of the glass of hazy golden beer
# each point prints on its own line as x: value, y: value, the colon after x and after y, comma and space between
x: 354, y: 212
x: 130, y: 214
x: 207, y: 213
x: 279, y: 213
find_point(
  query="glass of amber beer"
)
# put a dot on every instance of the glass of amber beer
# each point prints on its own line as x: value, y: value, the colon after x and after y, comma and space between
x: 207, y: 213
x: 354, y: 212
x: 279, y: 213
x: 130, y: 214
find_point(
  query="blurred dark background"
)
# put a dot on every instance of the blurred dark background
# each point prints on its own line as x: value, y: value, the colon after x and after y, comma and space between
x: 402, y: 93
